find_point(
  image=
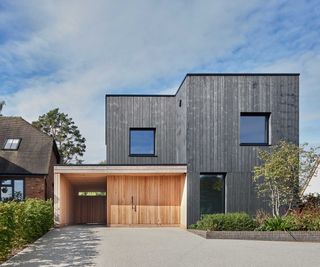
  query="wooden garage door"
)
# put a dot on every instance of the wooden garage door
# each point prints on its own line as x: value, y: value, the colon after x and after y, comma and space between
x: 90, y: 209
x: 149, y: 200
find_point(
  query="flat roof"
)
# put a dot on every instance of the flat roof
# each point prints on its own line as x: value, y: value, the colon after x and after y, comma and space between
x: 205, y: 74
x: 121, y: 169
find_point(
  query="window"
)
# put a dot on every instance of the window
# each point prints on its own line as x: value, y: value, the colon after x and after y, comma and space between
x: 12, y: 144
x: 254, y: 128
x: 212, y: 191
x: 11, y: 189
x: 92, y: 194
x: 142, y: 142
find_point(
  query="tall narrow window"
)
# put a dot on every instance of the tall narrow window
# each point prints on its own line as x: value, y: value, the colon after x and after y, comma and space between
x: 254, y: 128
x: 212, y: 193
x: 142, y: 142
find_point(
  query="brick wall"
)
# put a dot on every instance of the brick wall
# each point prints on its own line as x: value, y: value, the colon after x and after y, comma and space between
x: 50, y: 177
x: 35, y: 187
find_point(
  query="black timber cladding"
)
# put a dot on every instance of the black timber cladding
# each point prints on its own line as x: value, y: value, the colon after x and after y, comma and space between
x: 204, y: 131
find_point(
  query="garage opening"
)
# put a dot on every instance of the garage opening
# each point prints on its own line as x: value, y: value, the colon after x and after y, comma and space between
x: 83, y: 199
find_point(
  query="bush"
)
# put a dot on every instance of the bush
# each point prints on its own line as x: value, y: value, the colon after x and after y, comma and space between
x: 226, y: 222
x: 310, y: 202
x: 286, y: 223
x: 307, y: 220
x: 7, y: 226
x: 23, y: 222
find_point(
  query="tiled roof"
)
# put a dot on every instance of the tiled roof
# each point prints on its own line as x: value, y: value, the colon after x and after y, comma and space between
x: 34, y: 152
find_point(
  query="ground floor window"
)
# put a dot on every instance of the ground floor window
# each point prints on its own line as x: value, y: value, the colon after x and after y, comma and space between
x: 212, y: 193
x: 11, y: 189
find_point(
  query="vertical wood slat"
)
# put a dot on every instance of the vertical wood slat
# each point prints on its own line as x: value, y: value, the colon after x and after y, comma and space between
x: 90, y: 209
x: 157, y: 200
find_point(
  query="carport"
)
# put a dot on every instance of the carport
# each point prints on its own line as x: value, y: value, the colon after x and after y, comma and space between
x: 148, y: 195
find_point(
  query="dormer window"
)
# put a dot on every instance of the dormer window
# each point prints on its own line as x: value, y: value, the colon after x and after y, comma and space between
x: 12, y: 144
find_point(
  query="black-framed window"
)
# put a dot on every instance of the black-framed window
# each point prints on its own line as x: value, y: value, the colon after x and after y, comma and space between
x: 12, y: 189
x: 254, y: 128
x: 212, y: 193
x: 12, y: 144
x: 142, y: 141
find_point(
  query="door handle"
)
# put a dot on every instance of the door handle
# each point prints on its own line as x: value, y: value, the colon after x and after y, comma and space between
x: 132, y: 207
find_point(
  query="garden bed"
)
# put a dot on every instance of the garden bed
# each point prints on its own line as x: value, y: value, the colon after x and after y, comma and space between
x: 301, y: 236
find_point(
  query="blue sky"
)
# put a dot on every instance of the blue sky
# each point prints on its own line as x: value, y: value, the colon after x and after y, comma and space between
x: 68, y: 54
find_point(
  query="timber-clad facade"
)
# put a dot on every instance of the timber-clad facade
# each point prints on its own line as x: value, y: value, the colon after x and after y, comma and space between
x: 200, y: 126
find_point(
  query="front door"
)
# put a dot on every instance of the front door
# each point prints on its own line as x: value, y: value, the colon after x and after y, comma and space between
x: 144, y: 200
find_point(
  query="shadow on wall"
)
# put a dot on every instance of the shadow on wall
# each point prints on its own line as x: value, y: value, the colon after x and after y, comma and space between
x: 69, y: 246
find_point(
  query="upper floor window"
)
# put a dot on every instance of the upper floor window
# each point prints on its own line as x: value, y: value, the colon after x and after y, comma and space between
x: 254, y: 128
x: 12, y: 144
x: 11, y: 189
x: 142, y: 141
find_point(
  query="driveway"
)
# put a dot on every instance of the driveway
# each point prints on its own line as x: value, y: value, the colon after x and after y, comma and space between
x: 101, y: 246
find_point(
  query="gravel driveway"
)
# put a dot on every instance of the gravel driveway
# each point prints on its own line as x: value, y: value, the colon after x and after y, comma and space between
x: 101, y: 246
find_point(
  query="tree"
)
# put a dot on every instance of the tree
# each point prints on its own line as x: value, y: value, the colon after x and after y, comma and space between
x: 70, y: 143
x: 284, y: 170
x: 2, y: 103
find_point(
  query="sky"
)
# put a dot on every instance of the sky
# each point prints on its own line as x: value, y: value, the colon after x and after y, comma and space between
x: 69, y: 54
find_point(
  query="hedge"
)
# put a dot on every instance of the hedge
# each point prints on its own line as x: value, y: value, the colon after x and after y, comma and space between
x: 22, y: 223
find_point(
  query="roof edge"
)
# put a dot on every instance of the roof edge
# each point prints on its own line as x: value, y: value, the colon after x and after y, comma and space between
x: 205, y: 74
x: 245, y: 74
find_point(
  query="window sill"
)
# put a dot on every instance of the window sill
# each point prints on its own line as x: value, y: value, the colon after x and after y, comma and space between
x: 254, y: 144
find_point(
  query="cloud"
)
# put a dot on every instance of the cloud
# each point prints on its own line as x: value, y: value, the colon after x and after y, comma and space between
x: 308, y: 65
x: 68, y: 54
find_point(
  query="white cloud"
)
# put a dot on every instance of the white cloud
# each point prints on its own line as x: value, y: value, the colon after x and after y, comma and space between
x: 86, y: 48
x: 68, y: 54
x: 308, y: 65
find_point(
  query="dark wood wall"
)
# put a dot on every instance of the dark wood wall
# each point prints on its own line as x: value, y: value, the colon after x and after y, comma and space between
x: 204, y: 130
x: 125, y: 112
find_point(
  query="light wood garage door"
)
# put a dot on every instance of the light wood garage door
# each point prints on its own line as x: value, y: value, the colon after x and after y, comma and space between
x: 144, y: 200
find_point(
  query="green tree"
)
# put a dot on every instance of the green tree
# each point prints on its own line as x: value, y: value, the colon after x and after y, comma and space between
x: 61, y: 127
x: 284, y: 171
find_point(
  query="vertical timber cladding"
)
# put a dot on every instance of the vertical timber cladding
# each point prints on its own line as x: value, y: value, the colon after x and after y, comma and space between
x: 199, y: 126
x: 146, y: 200
x: 213, y: 116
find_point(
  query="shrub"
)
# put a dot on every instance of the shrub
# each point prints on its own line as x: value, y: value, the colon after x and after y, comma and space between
x: 307, y: 220
x: 23, y: 222
x: 226, y: 222
x: 310, y: 202
x: 7, y: 226
x: 285, y: 223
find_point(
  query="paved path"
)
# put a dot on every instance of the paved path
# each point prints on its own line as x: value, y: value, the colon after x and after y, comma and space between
x: 100, y: 246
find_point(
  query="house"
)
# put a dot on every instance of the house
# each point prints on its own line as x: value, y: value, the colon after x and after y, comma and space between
x: 27, y: 157
x: 171, y: 158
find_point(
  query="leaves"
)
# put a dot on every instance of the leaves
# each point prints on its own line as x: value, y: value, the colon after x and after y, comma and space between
x: 71, y: 144
x: 284, y: 169
x: 22, y: 223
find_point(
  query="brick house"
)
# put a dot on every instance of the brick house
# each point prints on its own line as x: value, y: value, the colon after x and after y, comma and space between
x: 27, y: 157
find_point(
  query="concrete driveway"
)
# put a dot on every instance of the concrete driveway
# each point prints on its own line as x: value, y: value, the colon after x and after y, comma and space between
x: 100, y: 246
